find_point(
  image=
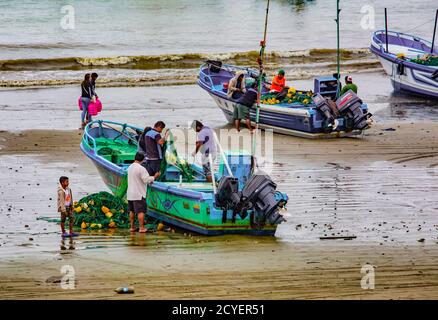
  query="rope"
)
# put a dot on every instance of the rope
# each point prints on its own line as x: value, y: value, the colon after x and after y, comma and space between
x: 420, y: 25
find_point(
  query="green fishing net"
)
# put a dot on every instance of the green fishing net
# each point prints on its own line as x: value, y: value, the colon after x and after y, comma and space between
x: 427, y: 61
x: 171, y: 158
x: 293, y: 96
x: 103, y: 210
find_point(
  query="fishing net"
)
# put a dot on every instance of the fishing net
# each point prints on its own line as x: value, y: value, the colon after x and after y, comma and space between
x: 427, y: 61
x: 292, y: 96
x: 171, y: 158
x: 103, y: 210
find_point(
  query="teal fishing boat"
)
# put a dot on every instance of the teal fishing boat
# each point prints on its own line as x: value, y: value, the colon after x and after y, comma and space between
x: 239, y: 201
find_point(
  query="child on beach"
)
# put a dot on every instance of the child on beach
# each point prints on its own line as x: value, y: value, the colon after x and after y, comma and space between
x: 65, y: 206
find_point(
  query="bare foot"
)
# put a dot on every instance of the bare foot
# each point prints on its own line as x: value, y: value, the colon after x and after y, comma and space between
x: 132, y: 229
x: 143, y: 230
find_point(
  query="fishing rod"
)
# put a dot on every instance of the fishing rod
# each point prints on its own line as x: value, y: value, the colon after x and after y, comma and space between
x: 260, y: 79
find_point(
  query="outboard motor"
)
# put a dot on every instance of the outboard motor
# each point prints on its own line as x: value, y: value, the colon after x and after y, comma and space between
x: 260, y: 192
x: 323, y: 107
x: 228, y: 195
x: 214, y: 65
x: 258, y: 195
x: 349, y: 106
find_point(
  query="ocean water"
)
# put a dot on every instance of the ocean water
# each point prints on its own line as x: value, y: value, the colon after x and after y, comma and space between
x: 32, y: 29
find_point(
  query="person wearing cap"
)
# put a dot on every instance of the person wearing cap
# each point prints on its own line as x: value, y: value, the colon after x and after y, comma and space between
x: 278, y: 82
x: 349, y: 85
x: 236, y: 86
x: 241, y: 108
x: 206, y: 145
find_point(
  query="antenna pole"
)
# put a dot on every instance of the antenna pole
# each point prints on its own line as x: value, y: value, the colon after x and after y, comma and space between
x: 386, y: 29
x: 434, y: 32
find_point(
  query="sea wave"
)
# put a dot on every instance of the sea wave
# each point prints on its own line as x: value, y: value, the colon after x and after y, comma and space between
x: 186, y: 60
x: 168, y: 77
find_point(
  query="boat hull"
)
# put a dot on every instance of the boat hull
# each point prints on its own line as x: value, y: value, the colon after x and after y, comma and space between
x: 115, y: 179
x: 296, y: 119
x: 189, y: 209
x: 196, y: 213
x: 298, y: 124
x: 406, y: 76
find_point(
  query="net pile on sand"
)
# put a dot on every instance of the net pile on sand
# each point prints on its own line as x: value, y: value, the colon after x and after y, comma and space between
x: 103, y: 210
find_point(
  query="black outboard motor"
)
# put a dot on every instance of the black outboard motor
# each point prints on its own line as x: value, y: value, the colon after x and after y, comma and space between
x: 214, y: 65
x: 260, y: 192
x: 258, y: 195
x: 349, y: 106
x: 323, y: 107
x: 228, y: 195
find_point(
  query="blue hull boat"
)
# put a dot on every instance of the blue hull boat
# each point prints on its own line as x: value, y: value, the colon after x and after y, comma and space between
x: 292, y: 118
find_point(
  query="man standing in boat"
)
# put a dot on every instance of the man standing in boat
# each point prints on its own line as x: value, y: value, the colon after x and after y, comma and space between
x: 138, y: 178
x: 151, y: 144
x: 206, y: 145
x: 241, y: 108
x: 349, y: 85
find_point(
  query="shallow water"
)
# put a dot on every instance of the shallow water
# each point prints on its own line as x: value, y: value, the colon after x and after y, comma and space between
x: 31, y: 29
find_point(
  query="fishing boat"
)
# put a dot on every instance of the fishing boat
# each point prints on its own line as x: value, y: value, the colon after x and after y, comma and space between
x: 410, y: 61
x: 303, y: 119
x: 302, y: 113
x: 239, y: 201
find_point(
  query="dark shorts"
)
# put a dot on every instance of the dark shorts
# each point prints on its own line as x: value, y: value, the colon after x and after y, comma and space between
x: 240, y: 112
x: 152, y: 166
x: 68, y: 213
x: 137, y: 206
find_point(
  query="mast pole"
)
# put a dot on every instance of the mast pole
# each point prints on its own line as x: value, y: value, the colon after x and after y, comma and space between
x: 260, y: 79
x: 338, y: 54
x: 260, y: 61
x: 434, y: 32
x: 386, y: 29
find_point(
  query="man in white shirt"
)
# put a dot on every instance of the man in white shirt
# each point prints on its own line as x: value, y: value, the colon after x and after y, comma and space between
x: 138, y: 178
x: 206, y: 145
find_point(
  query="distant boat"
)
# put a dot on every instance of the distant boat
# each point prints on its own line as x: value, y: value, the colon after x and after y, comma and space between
x: 242, y: 203
x: 290, y: 117
x: 409, y: 61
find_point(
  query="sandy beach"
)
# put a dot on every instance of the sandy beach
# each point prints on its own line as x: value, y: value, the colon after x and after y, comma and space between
x: 362, y: 217
x: 380, y: 188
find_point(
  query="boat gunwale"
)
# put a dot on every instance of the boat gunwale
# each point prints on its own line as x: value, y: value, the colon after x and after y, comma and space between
x: 159, y: 185
x: 308, y: 109
x: 377, y: 47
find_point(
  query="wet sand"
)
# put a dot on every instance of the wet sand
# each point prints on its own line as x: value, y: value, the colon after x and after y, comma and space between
x: 388, y: 223
x: 380, y: 188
